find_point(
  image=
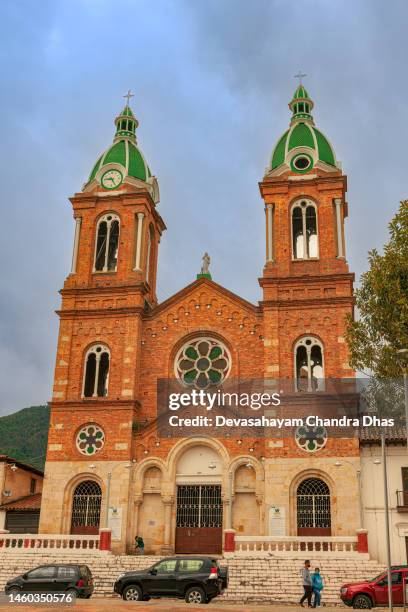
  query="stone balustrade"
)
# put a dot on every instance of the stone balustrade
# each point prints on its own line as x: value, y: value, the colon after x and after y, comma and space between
x: 34, y: 541
x: 301, y: 545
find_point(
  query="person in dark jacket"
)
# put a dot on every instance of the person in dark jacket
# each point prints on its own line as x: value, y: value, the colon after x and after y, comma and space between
x: 307, y: 584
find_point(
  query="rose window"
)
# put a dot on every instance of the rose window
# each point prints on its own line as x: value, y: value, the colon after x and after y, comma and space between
x: 90, y: 439
x: 311, y: 439
x: 203, y: 362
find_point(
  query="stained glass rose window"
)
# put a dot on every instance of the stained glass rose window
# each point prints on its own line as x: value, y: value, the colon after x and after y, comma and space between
x: 203, y: 362
x: 90, y: 439
x: 311, y: 439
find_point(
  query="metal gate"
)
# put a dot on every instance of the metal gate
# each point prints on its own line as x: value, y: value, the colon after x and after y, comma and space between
x: 86, y: 508
x: 313, y: 508
x: 199, y: 519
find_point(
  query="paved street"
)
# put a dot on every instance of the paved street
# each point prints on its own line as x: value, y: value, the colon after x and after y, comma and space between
x: 96, y: 605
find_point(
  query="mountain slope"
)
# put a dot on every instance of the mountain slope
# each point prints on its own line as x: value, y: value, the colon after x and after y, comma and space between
x: 23, y: 435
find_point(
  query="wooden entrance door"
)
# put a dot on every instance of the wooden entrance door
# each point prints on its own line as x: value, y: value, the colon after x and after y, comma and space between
x: 199, y: 519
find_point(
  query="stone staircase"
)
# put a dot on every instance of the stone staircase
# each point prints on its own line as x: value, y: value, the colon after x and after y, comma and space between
x: 250, y: 579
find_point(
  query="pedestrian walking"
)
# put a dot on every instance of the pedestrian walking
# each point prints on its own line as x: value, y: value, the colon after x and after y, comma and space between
x: 317, y: 586
x: 307, y: 584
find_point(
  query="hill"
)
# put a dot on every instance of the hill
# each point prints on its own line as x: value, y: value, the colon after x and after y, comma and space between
x: 23, y: 435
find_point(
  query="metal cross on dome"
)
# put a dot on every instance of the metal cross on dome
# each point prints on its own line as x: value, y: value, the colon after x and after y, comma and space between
x: 300, y: 76
x: 128, y: 96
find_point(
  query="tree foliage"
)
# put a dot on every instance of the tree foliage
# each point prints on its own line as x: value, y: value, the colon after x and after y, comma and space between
x: 382, y: 301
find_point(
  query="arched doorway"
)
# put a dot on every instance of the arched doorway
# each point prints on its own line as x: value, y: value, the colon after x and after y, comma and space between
x: 86, y: 508
x: 199, y: 503
x: 313, y: 508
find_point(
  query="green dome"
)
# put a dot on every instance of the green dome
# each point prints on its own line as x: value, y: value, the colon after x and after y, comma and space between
x: 302, y: 145
x: 124, y: 151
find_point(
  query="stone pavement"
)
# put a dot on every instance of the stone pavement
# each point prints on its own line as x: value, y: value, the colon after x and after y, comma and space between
x: 169, y: 605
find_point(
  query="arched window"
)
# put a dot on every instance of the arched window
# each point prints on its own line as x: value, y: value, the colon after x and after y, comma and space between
x: 309, y: 370
x: 107, y: 243
x: 96, y: 375
x: 313, y: 507
x: 304, y: 230
x: 86, y: 508
x: 150, y: 239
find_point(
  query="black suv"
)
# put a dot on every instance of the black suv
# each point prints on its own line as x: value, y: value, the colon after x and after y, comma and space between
x: 57, y: 578
x: 196, y: 579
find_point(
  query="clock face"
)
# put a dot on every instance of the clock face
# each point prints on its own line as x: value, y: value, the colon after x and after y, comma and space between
x: 111, y: 179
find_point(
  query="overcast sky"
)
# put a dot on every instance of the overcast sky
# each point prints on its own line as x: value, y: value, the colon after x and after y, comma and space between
x: 212, y: 79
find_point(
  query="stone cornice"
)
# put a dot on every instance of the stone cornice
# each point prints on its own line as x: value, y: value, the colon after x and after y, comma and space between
x: 94, y: 290
x: 90, y: 313
x: 283, y: 185
x: 308, y: 301
x: 306, y: 279
x: 94, y: 404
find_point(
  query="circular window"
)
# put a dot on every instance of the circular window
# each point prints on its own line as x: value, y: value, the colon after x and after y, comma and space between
x: 203, y: 362
x: 301, y: 163
x: 90, y: 439
x: 311, y: 439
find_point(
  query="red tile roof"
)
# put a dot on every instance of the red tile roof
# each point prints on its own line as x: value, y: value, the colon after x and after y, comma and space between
x: 29, y: 502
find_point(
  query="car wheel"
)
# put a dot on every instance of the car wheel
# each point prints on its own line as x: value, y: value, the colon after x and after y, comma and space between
x: 72, y: 593
x: 362, y: 601
x: 14, y: 591
x: 195, y: 595
x: 132, y: 593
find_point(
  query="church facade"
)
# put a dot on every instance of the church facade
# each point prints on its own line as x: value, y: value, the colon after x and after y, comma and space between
x: 107, y: 466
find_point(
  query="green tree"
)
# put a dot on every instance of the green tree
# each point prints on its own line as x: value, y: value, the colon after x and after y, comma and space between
x: 382, y: 302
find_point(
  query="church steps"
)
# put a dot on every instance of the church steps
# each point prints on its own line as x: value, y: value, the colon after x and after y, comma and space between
x: 250, y: 579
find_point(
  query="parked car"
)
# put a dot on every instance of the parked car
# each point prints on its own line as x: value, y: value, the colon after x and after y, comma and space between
x: 370, y: 593
x: 56, y: 578
x: 197, y: 579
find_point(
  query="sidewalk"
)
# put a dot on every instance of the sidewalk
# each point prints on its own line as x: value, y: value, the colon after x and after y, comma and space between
x: 170, y: 605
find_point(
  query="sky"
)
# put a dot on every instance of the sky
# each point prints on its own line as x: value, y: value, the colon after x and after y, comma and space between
x: 212, y: 80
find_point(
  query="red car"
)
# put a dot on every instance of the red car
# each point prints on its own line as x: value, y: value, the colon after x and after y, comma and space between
x: 370, y: 593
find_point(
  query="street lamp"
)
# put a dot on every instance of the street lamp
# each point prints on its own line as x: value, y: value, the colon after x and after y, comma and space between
x: 387, y: 517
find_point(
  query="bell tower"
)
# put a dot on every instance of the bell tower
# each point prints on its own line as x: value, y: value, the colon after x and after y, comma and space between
x: 111, y: 284
x: 307, y: 286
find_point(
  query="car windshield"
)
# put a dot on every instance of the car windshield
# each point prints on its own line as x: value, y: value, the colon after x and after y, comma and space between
x: 377, y: 577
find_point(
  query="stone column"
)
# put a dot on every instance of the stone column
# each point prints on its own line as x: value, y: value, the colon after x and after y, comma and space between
x: 168, y: 501
x: 269, y: 232
x: 137, y: 502
x: 139, y: 231
x: 78, y: 223
x: 337, y: 203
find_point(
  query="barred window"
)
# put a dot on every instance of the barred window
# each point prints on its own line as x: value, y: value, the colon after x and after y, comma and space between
x: 313, y: 504
x: 86, y: 505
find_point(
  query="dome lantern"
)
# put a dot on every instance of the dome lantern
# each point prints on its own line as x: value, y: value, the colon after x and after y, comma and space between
x: 302, y: 147
x: 123, y: 161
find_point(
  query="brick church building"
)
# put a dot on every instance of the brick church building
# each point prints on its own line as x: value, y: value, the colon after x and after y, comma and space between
x: 106, y: 464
